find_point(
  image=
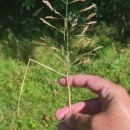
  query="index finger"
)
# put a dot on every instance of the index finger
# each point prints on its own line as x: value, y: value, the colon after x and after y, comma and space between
x: 96, y: 84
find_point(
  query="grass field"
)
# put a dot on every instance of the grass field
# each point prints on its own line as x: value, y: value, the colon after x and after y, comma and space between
x: 42, y: 95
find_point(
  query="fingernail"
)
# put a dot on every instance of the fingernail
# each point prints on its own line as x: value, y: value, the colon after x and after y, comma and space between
x: 67, y: 118
x: 60, y: 114
x: 62, y: 81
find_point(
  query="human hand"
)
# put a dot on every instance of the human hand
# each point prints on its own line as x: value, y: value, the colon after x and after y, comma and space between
x: 110, y: 111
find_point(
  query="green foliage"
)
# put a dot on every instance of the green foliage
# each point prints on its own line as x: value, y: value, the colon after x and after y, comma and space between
x: 42, y: 96
x: 22, y: 16
x: 17, y: 48
x: 29, y: 4
x: 111, y: 10
x: 117, y: 13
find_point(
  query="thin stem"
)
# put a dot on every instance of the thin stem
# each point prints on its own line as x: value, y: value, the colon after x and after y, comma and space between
x: 68, y: 59
x: 47, y: 67
x: 67, y: 41
x: 69, y: 91
x: 22, y: 88
x: 86, y: 9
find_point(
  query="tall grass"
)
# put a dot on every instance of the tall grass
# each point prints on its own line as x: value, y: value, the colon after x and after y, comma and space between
x: 71, y: 24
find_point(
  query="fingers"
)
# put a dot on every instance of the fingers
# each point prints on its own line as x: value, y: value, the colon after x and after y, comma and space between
x: 78, y: 121
x: 90, y: 107
x: 96, y: 84
x: 113, y: 98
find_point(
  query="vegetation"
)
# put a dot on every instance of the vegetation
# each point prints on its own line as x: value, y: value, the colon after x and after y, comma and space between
x: 23, y: 16
x: 107, y: 56
x: 42, y: 95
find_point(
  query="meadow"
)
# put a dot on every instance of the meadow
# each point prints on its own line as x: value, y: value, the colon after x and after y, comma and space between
x: 42, y: 95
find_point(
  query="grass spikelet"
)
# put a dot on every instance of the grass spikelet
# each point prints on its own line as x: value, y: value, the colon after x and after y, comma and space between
x: 74, y: 23
x: 85, y: 29
x: 91, y: 16
x: 45, y: 22
x: 88, y: 8
x: 51, y: 17
x: 50, y: 6
x: 92, y: 22
x: 74, y: 1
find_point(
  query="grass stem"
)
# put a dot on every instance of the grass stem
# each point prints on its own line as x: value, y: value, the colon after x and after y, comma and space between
x: 68, y: 59
x: 47, y: 67
x: 22, y: 89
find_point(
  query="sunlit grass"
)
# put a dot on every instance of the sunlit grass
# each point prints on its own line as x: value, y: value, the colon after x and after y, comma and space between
x: 42, y: 95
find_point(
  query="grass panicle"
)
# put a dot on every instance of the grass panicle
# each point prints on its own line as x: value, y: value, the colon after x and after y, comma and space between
x: 70, y: 25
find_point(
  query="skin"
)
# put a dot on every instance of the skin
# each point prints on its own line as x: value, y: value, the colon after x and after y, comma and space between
x: 110, y: 111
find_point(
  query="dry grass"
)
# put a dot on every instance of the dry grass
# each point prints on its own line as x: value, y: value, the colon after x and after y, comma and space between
x: 66, y: 60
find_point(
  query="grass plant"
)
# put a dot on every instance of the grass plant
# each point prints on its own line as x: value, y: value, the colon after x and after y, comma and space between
x: 73, y: 21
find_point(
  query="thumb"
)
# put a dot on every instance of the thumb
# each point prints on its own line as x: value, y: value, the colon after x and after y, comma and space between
x: 77, y: 121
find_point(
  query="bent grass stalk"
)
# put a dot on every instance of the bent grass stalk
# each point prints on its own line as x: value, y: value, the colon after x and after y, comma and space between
x: 21, y: 90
